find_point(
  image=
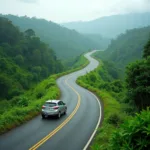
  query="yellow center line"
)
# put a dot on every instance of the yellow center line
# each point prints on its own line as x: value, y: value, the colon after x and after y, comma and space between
x: 37, y: 145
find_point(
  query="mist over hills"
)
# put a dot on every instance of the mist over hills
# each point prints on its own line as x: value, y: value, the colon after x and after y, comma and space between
x: 65, y: 42
x: 127, y: 47
x: 111, y: 26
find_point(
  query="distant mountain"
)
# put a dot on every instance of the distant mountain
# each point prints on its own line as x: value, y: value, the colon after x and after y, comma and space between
x: 111, y: 26
x: 127, y: 47
x: 66, y: 43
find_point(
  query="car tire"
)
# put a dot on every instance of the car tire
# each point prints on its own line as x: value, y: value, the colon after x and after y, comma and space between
x: 43, y: 116
x: 65, y: 111
x: 59, y: 115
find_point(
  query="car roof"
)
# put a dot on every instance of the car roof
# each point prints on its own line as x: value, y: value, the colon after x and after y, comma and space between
x: 53, y: 101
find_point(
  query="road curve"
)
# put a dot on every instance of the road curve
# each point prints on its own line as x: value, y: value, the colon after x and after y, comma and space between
x: 73, y: 131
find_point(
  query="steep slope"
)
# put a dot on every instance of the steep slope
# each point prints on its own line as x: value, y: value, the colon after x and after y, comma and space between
x: 66, y: 43
x: 127, y: 47
x: 111, y: 26
x: 24, y: 60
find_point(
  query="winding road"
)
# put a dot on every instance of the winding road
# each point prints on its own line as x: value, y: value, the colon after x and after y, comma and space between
x: 73, y: 131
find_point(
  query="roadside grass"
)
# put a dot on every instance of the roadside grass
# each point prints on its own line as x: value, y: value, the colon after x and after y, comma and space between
x: 113, y: 117
x: 112, y: 111
x: 23, y: 108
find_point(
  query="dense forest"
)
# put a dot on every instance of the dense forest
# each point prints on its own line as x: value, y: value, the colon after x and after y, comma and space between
x: 126, y: 48
x: 24, y: 60
x: 111, y: 26
x: 66, y: 43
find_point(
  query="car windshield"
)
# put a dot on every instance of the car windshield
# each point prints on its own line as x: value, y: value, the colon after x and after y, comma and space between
x: 50, y: 104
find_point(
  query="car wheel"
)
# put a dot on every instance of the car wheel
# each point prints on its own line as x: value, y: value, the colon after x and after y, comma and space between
x: 59, y: 114
x: 43, y: 116
x: 65, y: 111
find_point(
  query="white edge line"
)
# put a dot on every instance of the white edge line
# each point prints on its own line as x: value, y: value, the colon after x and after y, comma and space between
x: 98, y: 123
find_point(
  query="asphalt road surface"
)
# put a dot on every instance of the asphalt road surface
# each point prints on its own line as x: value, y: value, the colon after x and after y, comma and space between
x: 72, y: 131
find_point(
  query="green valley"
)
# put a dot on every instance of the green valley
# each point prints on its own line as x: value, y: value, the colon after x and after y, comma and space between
x: 34, y: 53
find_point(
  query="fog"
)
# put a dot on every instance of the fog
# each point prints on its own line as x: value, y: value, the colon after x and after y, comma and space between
x: 72, y: 10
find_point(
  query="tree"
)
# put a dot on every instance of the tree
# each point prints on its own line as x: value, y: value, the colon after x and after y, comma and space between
x: 8, y: 33
x: 5, y: 86
x: 19, y: 60
x: 29, y: 33
x: 138, y: 83
x: 146, y: 50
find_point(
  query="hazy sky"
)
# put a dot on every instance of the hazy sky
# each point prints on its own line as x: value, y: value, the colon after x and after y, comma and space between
x: 72, y: 10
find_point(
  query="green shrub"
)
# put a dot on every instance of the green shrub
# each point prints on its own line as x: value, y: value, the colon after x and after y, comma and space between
x: 15, y: 92
x: 128, y: 109
x: 133, y: 134
x: 115, y: 119
x: 39, y: 95
x: 23, y: 101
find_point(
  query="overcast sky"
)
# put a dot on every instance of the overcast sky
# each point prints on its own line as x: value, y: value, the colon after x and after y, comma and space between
x: 72, y: 10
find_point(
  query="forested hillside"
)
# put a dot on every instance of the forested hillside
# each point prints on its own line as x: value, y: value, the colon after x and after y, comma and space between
x: 104, y: 42
x: 127, y: 47
x: 24, y: 60
x: 111, y: 26
x: 66, y: 43
x: 126, y: 123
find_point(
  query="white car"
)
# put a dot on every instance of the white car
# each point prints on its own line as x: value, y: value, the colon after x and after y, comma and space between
x: 53, y: 108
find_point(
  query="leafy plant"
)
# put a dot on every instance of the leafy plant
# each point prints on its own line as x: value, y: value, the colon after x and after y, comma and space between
x: 138, y: 82
x: 23, y: 101
x: 115, y: 119
x: 133, y: 134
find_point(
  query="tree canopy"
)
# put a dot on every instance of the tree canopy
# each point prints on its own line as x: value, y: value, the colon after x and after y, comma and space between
x: 146, y: 50
x: 127, y: 47
x: 66, y: 43
x: 24, y: 59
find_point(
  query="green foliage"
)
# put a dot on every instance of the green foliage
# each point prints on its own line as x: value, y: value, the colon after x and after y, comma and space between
x: 101, y: 79
x: 92, y: 77
x: 126, y: 48
x: 113, y: 115
x: 29, y: 33
x: 133, y: 134
x: 24, y: 107
x: 117, y: 86
x: 138, y: 83
x: 66, y: 43
x: 8, y: 33
x: 23, y: 102
x: 19, y: 59
x: 75, y: 62
x: 146, y: 50
x: 115, y: 119
x: 24, y: 60
x: 5, y: 85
